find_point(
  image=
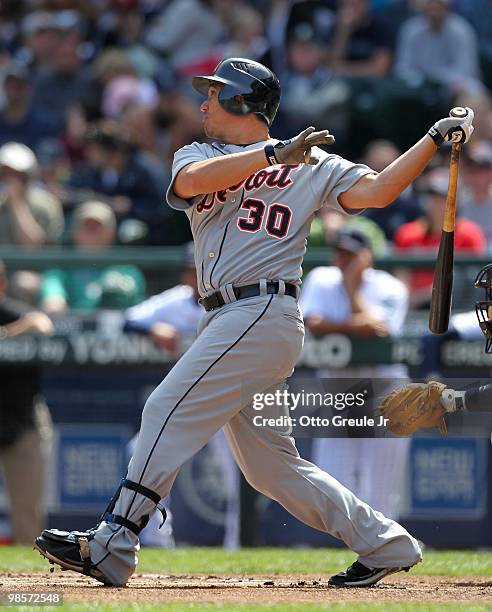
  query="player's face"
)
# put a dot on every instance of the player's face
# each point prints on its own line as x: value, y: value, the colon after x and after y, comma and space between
x: 215, y: 119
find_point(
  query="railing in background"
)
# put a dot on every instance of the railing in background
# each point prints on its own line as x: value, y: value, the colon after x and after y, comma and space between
x: 170, y: 258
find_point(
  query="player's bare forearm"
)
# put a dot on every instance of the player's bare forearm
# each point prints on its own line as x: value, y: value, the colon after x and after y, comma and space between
x: 218, y: 173
x: 378, y: 190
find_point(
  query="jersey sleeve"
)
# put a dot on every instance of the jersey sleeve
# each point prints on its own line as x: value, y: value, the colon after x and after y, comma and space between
x: 332, y: 176
x: 183, y: 157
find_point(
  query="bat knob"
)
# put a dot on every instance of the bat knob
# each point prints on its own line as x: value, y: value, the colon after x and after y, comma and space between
x: 459, y: 112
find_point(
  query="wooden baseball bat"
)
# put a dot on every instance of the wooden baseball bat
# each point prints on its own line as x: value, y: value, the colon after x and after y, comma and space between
x: 442, y: 286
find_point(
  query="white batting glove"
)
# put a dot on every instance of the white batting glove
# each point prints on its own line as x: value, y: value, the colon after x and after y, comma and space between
x: 455, y: 128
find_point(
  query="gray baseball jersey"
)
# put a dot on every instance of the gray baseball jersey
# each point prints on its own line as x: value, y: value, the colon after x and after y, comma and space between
x: 258, y: 228
x: 252, y: 231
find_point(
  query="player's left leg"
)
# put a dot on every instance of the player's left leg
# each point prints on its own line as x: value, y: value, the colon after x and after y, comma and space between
x: 270, y: 462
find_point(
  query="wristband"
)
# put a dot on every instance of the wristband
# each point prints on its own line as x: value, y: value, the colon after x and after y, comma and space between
x: 270, y: 155
x: 452, y: 400
x: 436, y: 136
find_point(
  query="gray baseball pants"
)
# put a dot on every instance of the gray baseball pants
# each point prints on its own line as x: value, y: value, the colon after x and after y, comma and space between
x: 245, y: 347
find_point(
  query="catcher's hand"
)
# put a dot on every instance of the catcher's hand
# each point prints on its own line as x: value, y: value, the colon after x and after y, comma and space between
x: 297, y: 150
x: 415, y: 406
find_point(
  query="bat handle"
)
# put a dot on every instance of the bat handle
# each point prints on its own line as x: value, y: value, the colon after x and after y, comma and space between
x: 450, y: 211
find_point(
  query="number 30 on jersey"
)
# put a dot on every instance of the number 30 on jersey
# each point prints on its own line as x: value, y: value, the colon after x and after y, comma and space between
x: 278, y: 217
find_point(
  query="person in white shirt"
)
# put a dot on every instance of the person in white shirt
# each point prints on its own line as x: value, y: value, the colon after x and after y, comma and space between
x: 352, y: 298
x: 170, y: 316
x: 439, y: 46
x: 170, y: 319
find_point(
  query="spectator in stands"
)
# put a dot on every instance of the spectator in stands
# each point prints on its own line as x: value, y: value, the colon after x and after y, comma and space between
x: 244, y: 33
x: 68, y: 80
x: 54, y: 168
x: 353, y: 298
x: 20, y: 120
x: 309, y: 91
x: 39, y: 40
x: 478, y: 12
x: 439, y: 46
x: 166, y: 317
x: 25, y: 424
x: 187, y: 32
x: 378, y: 155
x: 319, y: 14
x: 123, y: 177
x: 362, y: 42
x: 74, y: 134
x: 87, y: 288
x: 476, y: 201
x: 423, y: 235
x: 29, y: 215
x: 123, y: 27
x: 125, y: 90
x: 111, y: 63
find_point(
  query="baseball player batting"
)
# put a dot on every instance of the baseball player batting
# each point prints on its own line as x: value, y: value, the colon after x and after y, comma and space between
x: 250, y: 201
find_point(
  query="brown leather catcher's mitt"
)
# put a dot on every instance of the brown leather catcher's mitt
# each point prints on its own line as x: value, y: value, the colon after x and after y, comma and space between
x: 415, y: 406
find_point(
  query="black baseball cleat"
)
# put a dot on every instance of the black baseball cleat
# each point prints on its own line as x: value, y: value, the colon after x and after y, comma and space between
x: 358, y: 575
x: 70, y: 550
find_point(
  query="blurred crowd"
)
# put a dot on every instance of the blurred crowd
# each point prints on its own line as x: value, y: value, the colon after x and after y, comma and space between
x: 95, y: 98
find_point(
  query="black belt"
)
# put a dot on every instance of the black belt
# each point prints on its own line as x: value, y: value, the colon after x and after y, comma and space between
x: 216, y: 300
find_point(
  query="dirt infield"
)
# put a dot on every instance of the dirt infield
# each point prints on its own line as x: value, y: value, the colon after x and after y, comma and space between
x: 155, y: 588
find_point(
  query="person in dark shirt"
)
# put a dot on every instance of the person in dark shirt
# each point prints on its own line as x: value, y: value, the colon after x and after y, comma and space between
x: 121, y: 172
x: 25, y: 423
x: 362, y: 45
x: 67, y: 81
x: 20, y: 121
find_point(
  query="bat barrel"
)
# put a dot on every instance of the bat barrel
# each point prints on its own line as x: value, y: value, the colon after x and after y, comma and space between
x: 442, y: 287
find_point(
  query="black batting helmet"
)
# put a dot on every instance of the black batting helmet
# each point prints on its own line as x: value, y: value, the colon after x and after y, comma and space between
x: 484, y: 309
x: 248, y: 87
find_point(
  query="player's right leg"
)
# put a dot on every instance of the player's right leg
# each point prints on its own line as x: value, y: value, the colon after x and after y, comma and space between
x: 214, y: 379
